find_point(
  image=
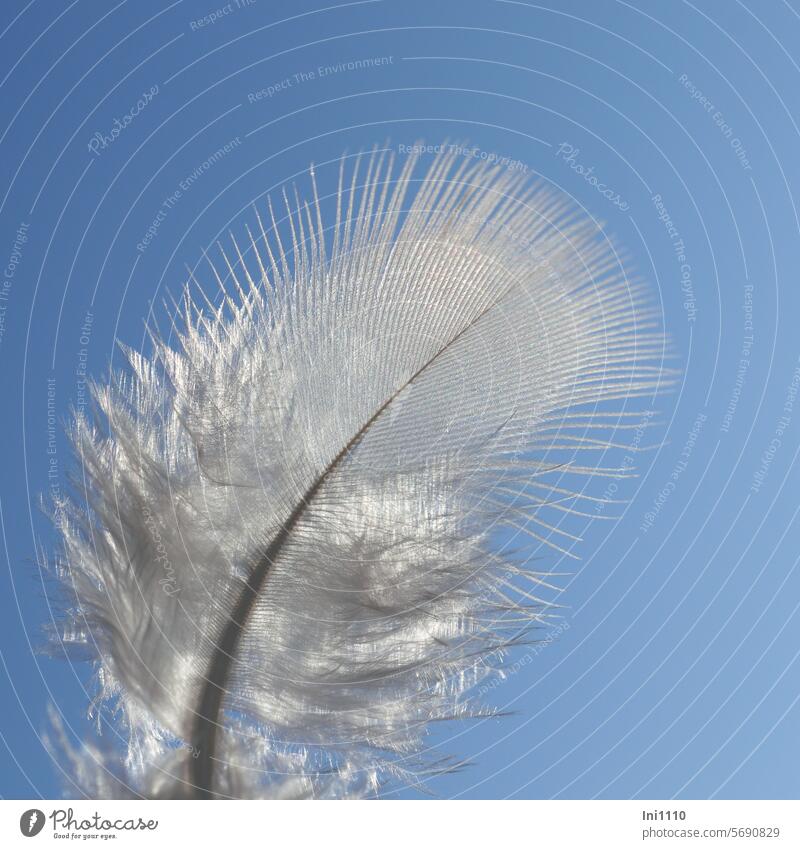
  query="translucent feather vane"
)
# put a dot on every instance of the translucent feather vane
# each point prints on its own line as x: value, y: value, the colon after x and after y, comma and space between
x: 305, y: 523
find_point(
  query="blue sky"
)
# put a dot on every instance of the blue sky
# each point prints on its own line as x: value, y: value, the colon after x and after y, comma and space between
x: 675, y: 671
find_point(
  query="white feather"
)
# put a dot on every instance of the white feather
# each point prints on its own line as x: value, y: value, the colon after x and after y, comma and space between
x: 363, y: 433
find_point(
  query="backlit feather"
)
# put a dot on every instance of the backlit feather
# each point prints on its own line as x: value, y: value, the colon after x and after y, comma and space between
x: 305, y: 523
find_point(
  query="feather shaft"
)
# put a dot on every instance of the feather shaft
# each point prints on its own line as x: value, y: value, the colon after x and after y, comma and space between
x: 214, y: 690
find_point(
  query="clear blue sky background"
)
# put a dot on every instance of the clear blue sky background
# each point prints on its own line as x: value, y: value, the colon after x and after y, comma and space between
x: 678, y: 674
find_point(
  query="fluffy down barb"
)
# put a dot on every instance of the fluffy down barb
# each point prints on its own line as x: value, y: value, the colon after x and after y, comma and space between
x: 304, y: 525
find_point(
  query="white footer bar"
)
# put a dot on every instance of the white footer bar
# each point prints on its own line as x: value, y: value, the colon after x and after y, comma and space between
x: 405, y: 825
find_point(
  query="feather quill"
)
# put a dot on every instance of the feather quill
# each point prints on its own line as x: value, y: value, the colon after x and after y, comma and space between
x: 304, y: 527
